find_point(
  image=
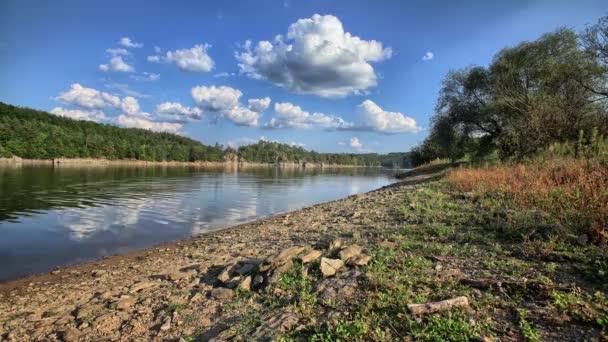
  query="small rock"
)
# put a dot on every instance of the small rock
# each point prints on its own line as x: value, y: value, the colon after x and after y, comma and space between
x: 329, y: 267
x: 258, y: 281
x: 311, y: 256
x: 166, y: 325
x: 99, y: 273
x: 335, y: 244
x: 71, y: 335
x: 359, y: 260
x: 245, y: 284
x: 245, y: 269
x: 233, y: 283
x: 226, y: 274
x: 286, y: 256
x: 142, y: 286
x: 125, y: 303
x: 222, y: 293
x: 350, y: 251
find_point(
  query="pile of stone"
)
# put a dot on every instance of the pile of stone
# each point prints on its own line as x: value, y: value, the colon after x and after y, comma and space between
x: 255, y: 274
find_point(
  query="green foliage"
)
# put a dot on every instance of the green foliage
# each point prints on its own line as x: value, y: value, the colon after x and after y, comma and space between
x: 531, y: 96
x: 33, y: 134
x: 274, y: 152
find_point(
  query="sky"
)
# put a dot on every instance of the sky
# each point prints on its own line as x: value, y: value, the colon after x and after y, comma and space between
x: 328, y: 75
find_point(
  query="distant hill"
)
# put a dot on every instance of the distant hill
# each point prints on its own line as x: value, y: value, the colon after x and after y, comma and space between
x: 33, y: 134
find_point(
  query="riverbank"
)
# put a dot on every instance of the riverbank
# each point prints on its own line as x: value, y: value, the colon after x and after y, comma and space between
x: 92, y: 162
x: 418, y: 241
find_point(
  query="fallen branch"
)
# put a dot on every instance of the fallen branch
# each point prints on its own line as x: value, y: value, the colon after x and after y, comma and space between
x: 491, y: 283
x: 429, y: 308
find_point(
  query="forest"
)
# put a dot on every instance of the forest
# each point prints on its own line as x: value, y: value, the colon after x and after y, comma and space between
x: 532, y: 97
x: 34, y: 134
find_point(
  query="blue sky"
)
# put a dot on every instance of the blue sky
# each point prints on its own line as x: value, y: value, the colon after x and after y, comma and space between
x: 353, y: 78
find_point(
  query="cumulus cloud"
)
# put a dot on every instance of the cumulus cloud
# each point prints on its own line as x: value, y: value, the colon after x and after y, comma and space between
x: 88, y: 97
x: 371, y: 117
x: 355, y: 143
x: 258, y: 105
x: 216, y: 99
x: 223, y: 74
x: 316, y: 57
x: 288, y: 115
x: 116, y: 64
x: 428, y: 56
x: 128, y: 43
x: 77, y: 114
x: 194, y: 59
x: 224, y: 101
x: 176, y: 112
x: 93, y: 100
x: 144, y: 122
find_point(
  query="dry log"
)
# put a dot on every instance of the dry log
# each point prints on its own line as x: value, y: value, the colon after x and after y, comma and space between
x: 491, y: 283
x: 433, y: 307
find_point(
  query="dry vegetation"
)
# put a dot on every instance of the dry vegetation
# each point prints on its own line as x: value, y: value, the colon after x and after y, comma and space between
x: 573, y: 191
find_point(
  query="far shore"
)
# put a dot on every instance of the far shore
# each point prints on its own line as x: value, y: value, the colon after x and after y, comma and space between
x: 81, y: 162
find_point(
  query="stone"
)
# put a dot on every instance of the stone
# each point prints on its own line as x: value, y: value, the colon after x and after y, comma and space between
x: 350, y: 251
x: 222, y: 293
x: 245, y: 284
x: 245, y: 269
x: 233, y: 282
x: 311, y: 256
x: 125, y: 303
x: 258, y: 281
x: 286, y: 256
x: 359, y: 260
x: 71, y: 335
x: 99, y: 273
x: 166, y: 324
x: 335, y: 244
x: 226, y: 274
x: 329, y: 267
x: 142, y: 286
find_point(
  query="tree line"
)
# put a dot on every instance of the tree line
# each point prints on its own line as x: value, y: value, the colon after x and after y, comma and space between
x: 34, y: 134
x: 531, y: 96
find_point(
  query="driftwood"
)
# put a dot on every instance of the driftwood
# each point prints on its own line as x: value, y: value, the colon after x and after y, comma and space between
x: 491, y: 283
x: 429, y: 308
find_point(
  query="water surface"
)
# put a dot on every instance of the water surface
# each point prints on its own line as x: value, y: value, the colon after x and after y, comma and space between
x: 58, y: 216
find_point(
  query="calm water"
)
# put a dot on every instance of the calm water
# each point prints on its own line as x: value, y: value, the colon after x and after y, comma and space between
x: 58, y: 216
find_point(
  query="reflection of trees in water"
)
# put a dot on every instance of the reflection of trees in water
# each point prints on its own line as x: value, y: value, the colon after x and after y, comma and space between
x: 29, y: 190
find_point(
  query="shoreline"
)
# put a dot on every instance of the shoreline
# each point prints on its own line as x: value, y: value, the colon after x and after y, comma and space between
x: 100, y: 162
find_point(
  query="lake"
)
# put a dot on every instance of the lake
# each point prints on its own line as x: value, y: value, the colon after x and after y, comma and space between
x: 58, y: 216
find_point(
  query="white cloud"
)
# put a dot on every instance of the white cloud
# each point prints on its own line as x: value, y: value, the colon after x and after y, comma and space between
x: 371, y: 117
x: 116, y: 64
x: 216, y: 99
x: 157, y: 49
x: 258, y: 105
x: 88, y: 97
x: 143, y: 122
x: 428, y: 56
x: 355, y: 143
x: 129, y: 106
x: 317, y: 57
x: 225, y: 101
x: 118, y: 52
x: 242, y: 116
x: 77, y: 114
x: 128, y: 43
x: 341, y: 143
x: 177, y: 112
x: 194, y: 59
x: 288, y: 115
